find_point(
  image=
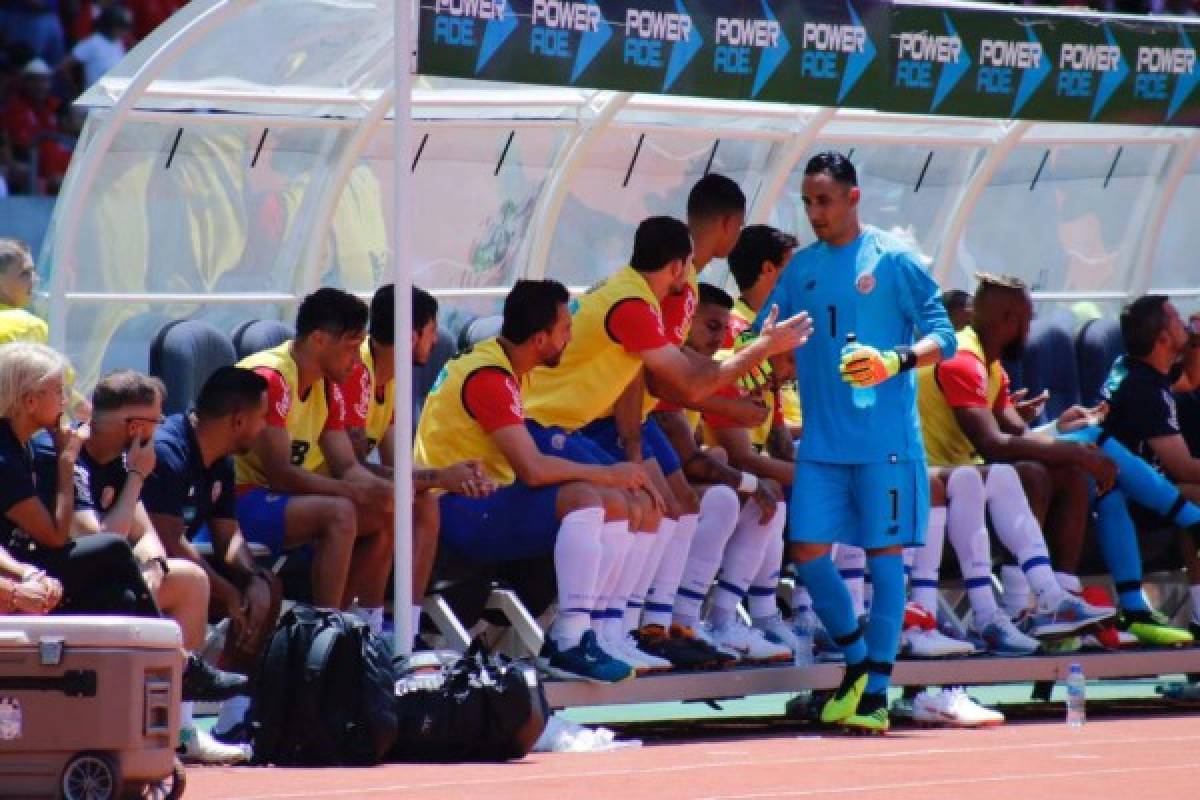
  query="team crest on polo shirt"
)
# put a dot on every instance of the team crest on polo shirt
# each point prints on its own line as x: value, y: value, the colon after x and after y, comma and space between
x: 865, y: 283
x: 558, y: 441
x: 216, y: 491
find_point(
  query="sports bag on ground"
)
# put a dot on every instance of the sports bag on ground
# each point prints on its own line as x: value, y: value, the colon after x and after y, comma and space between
x: 325, y: 693
x: 476, y: 707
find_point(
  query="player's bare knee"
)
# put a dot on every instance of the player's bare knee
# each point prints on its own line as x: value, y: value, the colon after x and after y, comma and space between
x: 187, y: 579
x: 937, y: 491
x: 340, y: 520
x: 688, y: 500
x: 650, y: 516
x: 616, y: 505
x: 1035, y: 480
x: 578, y: 496
x: 803, y: 552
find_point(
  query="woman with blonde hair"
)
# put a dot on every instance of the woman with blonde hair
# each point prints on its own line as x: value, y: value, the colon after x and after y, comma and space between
x: 97, y: 573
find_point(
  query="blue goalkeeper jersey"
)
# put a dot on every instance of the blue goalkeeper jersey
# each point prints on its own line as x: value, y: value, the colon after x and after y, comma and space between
x: 875, y: 288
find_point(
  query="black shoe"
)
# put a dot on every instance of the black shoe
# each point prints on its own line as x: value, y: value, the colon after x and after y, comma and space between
x: 202, y: 682
x: 238, y: 734
x: 657, y: 641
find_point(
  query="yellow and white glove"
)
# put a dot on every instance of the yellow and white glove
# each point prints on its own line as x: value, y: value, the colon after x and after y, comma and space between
x: 865, y: 366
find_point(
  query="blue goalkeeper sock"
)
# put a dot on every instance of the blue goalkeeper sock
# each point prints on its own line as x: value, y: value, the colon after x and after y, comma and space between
x: 887, y: 617
x: 1119, y: 546
x: 832, y: 604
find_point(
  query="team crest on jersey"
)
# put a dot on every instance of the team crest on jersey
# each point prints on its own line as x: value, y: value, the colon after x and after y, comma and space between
x: 865, y: 283
x: 558, y: 441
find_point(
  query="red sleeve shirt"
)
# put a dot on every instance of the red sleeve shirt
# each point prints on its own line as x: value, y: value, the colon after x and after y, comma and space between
x: 356, y: 392
x: 493, y: 398
x: 677, y: 313
x: 279, y: 397
x: 963, y: 380
x: 636, y: 326
x: 335, y: 420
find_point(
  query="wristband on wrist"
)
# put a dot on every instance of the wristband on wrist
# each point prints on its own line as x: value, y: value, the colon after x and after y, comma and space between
x: 748, y: 484
x: 906, y: 356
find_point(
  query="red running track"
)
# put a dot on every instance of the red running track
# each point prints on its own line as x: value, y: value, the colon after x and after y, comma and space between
x: 1142, y: 758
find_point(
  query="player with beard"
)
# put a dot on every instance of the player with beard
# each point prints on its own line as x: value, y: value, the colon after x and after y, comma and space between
x: 544, y: 504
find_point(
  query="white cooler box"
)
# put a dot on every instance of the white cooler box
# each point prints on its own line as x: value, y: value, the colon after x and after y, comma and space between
x: 89, y: 707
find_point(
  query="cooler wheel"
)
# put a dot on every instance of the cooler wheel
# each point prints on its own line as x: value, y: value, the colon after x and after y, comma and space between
x: 91, y: 776
x: 169, y: 788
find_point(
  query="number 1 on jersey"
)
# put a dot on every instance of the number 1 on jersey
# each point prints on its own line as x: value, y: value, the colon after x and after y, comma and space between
x: 832, y: 321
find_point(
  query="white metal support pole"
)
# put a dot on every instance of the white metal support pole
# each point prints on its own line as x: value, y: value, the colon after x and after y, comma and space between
x: 776, y: 175
x: 1152, y: 231
x: 402, y: 598
x: 78, y: 195
x: 971, y: 193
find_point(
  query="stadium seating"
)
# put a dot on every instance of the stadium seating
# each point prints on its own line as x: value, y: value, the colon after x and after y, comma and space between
x: 260, y: 334
x: 1096, y: 349
x: 1049, y: 362
x: 183, y: 355
x: 478, y: 330
x: 127, y: 346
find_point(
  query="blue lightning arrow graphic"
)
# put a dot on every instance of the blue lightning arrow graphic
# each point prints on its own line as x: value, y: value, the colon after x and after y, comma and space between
x: 590, y: 44
x: 771, y: 57
x: 856, y: 63
x: 1031, y: 79
x: 952, y: 72
x: 1111, y: 79
x: 682, y: 52
x: 494, y: 35
x: 1186, y: 83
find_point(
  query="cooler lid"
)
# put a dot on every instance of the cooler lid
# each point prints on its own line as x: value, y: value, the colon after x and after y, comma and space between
x: 18, y: 631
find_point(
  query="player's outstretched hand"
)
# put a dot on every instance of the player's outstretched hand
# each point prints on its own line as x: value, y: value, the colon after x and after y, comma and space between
x: 783, y: 337
x: 865, y: 366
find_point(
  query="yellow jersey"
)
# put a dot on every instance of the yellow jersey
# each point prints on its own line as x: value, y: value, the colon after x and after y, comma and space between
x: 474, y: 394
x: 304, y: 417
x: 964, y: 381
x: 18, y: 325
x: 597, y: 367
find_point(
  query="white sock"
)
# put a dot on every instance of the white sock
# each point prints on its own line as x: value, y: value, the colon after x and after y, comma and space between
x: 761, y: 597
x: 743, y: 556
x: 1018, y: 530
x: 1016, y: 589
x: 414, y: 616
x: 577, y: 551
x: 801, y: 600
x: 851, y: 562
x: 659, y: 541
x: 185, y: 714
x: 233, y: 713
x: 616, y: 540
x: 927, y: 561
x: 966, y: 528
x: 1069, y: 583
x: 1194, y: 591
x: 718, y: 515
x: 617, y: 624
x: 660, y: 600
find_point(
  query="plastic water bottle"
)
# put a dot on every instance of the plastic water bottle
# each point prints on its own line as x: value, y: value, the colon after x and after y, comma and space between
x: 803, y: 629
x: 1076, y: 697
x: 861, y: 396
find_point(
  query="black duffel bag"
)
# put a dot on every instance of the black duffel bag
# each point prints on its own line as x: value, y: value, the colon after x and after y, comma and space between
x: 474, y: 707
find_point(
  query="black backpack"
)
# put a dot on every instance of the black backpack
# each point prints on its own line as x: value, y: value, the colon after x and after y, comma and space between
x: 480, y: 708
x: 325, y: 695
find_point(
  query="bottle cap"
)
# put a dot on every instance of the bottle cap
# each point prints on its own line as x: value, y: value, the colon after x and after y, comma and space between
x: 850, y: 337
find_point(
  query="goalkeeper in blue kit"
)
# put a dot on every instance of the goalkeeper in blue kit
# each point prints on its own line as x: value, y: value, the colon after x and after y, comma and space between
x: 860, y: 471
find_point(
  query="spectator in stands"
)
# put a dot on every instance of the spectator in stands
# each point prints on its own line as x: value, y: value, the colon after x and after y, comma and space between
x: 190, y: 496
x: 959, y: 307
x: 36, y: 24
x: 111, y: 469
x: 102, y: 50
x: 967, y: 417
x: 31, y: 122
x: 149, y: 14
x: 1162, y: 357
x: 17, y: 276
x: 567, y: 504
x: 283, y: 502
x: 32, y: 392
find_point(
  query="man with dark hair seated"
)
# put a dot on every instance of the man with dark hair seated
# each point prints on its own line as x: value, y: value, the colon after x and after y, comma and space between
x: 190, y: 496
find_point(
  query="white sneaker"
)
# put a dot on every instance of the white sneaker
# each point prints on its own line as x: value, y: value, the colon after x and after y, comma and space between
x: 627, y: 650
x: 932, y: 643
x: 777, y: 631
x: 199, y: 747
x: 704, y: 632
x: 749, y: 644
x: 953, y: 707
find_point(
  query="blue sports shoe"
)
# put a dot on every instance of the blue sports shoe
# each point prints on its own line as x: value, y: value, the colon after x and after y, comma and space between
x: 1072, y: 615
x: 1001, y: 638
x: 585, y: 661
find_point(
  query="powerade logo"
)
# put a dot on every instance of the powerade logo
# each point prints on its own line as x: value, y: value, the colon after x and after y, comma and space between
x: 1014, y: 67
x: 736, y: 40
x: 646, y: 34
x: 553, y: 23
x: 824, y: 43
x: 1091, y: 70
x: 919, y: 52
x: 1155, y: 66
x: 455, y: 23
